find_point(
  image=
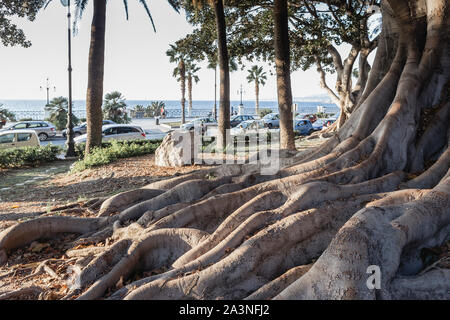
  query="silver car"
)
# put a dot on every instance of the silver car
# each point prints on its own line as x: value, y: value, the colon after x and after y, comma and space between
x: 117, y: 132
x: 203, y: 123
x: 43, y: 129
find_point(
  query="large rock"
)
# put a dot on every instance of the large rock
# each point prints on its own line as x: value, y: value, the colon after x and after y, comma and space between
x: 176, y: 150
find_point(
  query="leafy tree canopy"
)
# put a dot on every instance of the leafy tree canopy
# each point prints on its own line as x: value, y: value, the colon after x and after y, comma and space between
x: 316, y: 28
x: 10, y: 34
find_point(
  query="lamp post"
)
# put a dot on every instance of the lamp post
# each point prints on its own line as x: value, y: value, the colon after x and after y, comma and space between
x: 48, y: 87
x: 241, y: 91
x: 241, y: 106
x: 70, y: 143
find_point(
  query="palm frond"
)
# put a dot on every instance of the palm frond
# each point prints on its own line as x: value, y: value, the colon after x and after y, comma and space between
x: 175, y: 5
x: 80, y: 6
x: 144, y: 3
x: 47, y: 3
x: 125, y: 5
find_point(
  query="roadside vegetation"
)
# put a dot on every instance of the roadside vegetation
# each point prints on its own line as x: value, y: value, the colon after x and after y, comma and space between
x: 58, y: 113
x: 108, y: 152
x: 112, y: 151
x: 28, y: 156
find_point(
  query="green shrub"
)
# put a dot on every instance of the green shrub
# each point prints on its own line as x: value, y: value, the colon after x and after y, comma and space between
x: 111, y: 151
x: 26, y: 119
x: 28, y: 156
x: 81, y: 147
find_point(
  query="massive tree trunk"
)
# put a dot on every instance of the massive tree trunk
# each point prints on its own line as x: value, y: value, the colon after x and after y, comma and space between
x: 94, y: 96
x: 224, y: 66
x: 370, y: 198
x: 283, y: 69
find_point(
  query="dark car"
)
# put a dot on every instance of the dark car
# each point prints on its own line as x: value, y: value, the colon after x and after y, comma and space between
x: 82, y: 128
x: 236, y: 120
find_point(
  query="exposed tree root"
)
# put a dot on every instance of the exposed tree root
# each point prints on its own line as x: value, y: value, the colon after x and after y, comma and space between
x: 430, y: 286
x: 274, y: 287
x: 33, y: 291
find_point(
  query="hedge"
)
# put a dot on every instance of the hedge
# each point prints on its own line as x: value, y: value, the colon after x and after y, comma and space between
x: 112, y: 151
x: 28, y: 156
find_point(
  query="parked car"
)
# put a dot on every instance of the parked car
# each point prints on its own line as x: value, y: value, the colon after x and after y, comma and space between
x: 329, y: 122
x: 82, y: 128
x: 272, y: 120
x: 204, y: 123
x: 249, y: 126
x: 18, y: 139
x: 235, y: 120
x: 304, y: 126
x: 44, y: 129
x: 318, y: 125
x: 117, y: 132
x: 310, y: 117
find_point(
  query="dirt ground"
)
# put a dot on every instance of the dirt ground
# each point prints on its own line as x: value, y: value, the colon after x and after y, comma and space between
x: 28, y: 192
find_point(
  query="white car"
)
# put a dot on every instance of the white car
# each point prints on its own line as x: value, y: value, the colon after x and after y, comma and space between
x: 249, y: 126
x: 204, y: 123
x: 18, y: 139
x: 117, y: 132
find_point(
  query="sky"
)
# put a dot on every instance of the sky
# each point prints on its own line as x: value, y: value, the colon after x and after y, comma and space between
x: 135, y: 61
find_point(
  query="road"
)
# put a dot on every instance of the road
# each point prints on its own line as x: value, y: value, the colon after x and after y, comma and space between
x: 60, y: 141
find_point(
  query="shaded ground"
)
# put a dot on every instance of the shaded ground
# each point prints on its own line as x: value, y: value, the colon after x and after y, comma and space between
x: 27, y: 192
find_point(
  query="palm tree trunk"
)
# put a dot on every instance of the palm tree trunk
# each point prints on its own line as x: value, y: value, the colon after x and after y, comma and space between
x: 282, y: 62
x: 96, y: 66
x: 257, y: 96
x: 182, y: 68
x: 224, y: 106
x: 190, y: 93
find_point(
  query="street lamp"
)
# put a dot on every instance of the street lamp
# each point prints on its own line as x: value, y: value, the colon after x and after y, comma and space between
x: 70, y: 143
x: 241, y: 106
x: 48, y: 87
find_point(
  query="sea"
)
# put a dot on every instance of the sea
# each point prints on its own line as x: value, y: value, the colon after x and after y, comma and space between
x: 35, y: 109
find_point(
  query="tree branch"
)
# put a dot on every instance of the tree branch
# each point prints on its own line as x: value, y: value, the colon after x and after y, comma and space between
x: 323, y: 82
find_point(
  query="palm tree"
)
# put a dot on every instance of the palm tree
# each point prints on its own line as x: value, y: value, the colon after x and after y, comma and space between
x: 176, y: 55
x: 283, y: 65
x: 154, y: 109
x: 114, y: 108
x: 138, y: 109
x: 258, y: 75
x: 96, y: 63
x: 58, y: 112
x: 191, y: 70
x: 5, y: 115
